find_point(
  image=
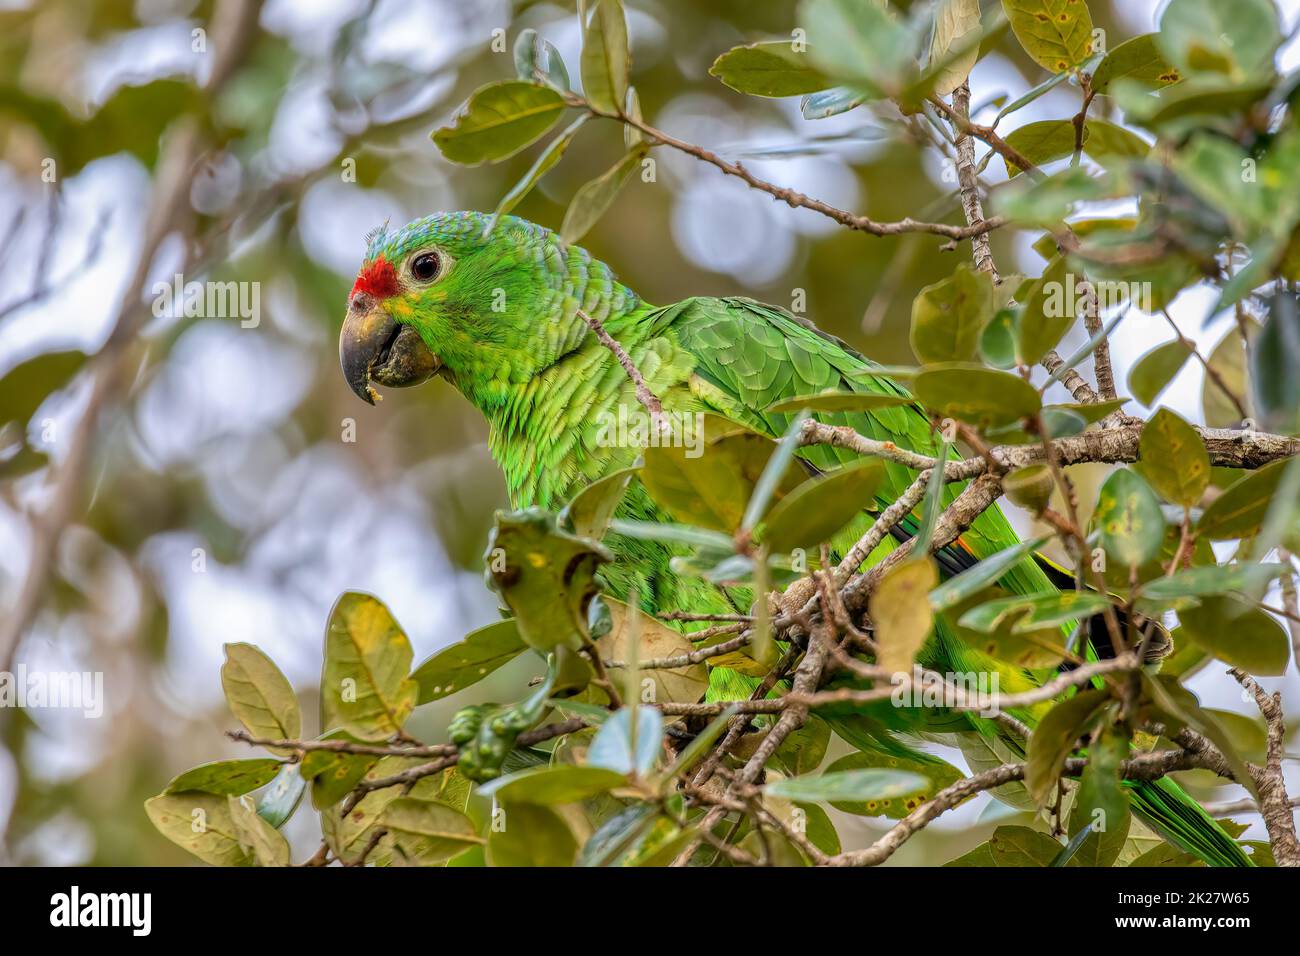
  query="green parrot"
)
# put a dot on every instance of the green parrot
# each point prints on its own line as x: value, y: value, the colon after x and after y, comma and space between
x: 496, y: 313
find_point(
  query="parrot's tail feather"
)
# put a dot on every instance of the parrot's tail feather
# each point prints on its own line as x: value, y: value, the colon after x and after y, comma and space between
x: 1171, y: 812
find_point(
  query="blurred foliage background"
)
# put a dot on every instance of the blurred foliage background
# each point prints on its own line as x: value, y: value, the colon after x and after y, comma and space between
x: 222, y: 499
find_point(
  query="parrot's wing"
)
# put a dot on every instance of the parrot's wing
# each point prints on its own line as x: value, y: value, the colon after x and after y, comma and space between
x: 753, y: 355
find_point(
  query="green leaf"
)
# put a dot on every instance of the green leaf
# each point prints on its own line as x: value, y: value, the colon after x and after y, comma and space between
x: 862, y: 44
x: 259, y: 695
x: 1177, y: 707
x: 227, y: 777
x: 333, y: 775
x: 263, y: 842
x: 468, y: 661
x: 875, y: 784
x: 1189, y: 98
x: 619, y: 837
x: 538, y: 61
x: 936, y: 773
x: 545, y: 575
x: 1047, y: 313
x: 545, y: 160
x: 1104, y: 140
x: 1129, y: 518
x: 1054, y: 739
x: 428, y: 832
x: 1239, y: 511
x: 1238, y: 634
x: 1153, y: 372
x: 684, y: 535
x: 1174, y: 458
x: 1275, y: 386
x: 532, y: 835
x: 974, y: 394
x: 803, y: 751
x: 605, y: 57
x: 709, y: 486
x: 1057, y: 34
x: 1033, y: 612
x: 589, y: 513
x: 1213, y: 168
x: 901, y: 614
x: 348, y: 836
x: 773, y: 474
x: 1281, y: 525
x: 499, y: 120
x: 1047, y: 201
x: 955, y: 43
x: 773, y: 68
x: 948, y: 316
x: 1012, y: 846
x: 997, y: 342
x: 1137, y: 59
x: 1207, y: 36
x: 199, y: 823
x: 632, y: 136
x: 616, y: 748
x: 1041, y: 142
x: 363, y: 686
x: 278, y: 802
x: 820, y: 507
x: 1249, y: 735
x: 1229, y: 360
x: 988, y: 571
x: 25, y: 386
x: 1066, y: 856
x: 1164, y: 855
x: 1102, y: 803
x: 834, y: 400
x: 932, y: 503
x: 591, y: 201
x: 1207, y: 581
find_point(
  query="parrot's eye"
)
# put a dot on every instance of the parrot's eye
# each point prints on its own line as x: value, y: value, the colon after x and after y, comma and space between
x: 424, y: 267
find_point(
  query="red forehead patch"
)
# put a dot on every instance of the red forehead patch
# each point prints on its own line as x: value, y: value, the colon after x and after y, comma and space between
x: 378, y: 279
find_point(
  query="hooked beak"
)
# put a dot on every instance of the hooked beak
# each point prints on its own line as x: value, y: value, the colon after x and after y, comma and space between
x: 374, y: 348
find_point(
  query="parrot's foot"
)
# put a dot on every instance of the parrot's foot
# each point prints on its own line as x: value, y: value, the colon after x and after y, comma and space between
x: 791, y: 601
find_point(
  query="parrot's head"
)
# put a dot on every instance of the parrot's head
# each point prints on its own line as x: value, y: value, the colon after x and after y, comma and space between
x: 443, y: 295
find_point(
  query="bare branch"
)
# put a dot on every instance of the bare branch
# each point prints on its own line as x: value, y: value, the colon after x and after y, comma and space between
x: 792, y: 197
x: 1274, y: 804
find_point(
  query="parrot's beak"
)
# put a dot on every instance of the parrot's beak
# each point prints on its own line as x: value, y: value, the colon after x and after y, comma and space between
x: 374, y: 348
